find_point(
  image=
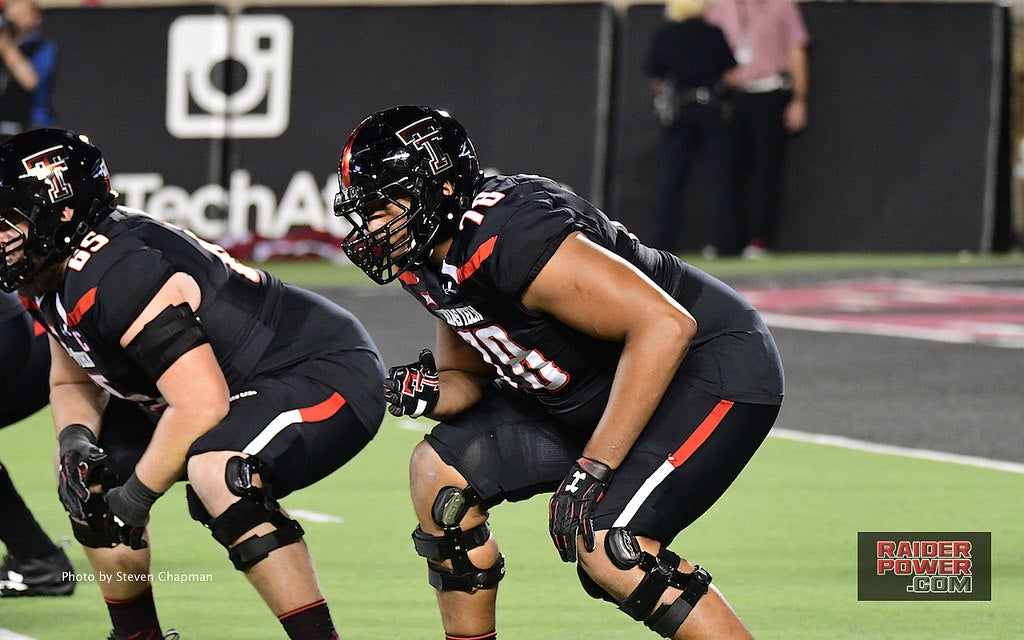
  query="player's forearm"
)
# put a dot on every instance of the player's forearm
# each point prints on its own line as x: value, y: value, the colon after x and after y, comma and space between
x: 163, y: 462
x: 77, y: 403
x: 459, y: 391
x: 648, y: 362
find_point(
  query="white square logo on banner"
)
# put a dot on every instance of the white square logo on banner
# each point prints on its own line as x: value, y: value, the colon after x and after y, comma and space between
x: 200, y: 50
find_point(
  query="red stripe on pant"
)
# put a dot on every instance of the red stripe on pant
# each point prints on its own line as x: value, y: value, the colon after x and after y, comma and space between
x: 324, y: 410
x: 703, y: 431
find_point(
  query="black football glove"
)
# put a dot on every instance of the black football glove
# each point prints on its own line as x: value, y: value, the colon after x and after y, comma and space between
x: 412, y: 389
x: 130, y: 504
x: 570, y: 512
x: 79, y: 454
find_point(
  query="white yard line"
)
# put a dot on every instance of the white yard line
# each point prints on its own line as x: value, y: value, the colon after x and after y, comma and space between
x: 309, y: 516
x: 7, y: 634
x: 893, y: 450
x: 872, y: 328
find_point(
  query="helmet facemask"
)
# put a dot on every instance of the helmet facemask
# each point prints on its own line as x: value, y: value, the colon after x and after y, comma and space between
x: 413, y: 154
x: 13, y: 270
x: 401, y: 244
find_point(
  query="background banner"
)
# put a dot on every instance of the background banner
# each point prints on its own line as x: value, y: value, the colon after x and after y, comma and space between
x: 232, y: 125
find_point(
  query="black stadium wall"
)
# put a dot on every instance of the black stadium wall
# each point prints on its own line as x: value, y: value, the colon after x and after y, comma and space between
x: 231, y: 125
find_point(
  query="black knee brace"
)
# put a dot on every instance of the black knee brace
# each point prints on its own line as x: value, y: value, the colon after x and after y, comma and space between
x: 449, y: 508
x: 662, y: 573
x: 99, y: 531
x: 255, y: 507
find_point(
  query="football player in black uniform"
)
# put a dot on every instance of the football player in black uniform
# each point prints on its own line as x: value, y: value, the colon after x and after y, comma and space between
x: 569, y: 357
x: 172, y: 361
x: 33, y: 565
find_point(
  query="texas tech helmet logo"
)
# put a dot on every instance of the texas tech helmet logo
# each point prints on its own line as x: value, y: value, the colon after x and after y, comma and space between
x: 423, y: 135
x: 49, y: 166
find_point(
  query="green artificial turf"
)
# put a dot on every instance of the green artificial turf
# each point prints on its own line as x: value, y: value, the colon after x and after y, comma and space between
x: 781, y: 545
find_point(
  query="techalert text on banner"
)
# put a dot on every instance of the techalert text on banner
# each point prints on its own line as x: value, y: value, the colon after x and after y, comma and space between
x: 924, y: 565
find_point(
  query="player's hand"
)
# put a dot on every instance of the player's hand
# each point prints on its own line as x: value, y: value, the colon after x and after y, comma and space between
x: 130, y: 504
x: 570, y: 512
x: 412, y: 389
x: 79, y: 455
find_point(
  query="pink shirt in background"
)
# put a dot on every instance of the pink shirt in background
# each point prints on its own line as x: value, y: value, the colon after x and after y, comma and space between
x: 760, y: 32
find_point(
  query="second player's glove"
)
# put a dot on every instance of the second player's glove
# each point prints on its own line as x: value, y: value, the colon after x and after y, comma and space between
x: 412, y: 389
x: 130, y: 504
x: 571, y: 510
x: 79, y: 454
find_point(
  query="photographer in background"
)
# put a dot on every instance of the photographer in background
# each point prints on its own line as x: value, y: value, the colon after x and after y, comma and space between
x: 29, y: 63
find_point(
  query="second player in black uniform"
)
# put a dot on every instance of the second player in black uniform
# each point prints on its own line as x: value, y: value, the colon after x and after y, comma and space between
x: 33, y: 564
x: 569, y: 357
x: 171, y: 361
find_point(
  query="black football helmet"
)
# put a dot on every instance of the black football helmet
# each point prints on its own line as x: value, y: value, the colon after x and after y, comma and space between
x: 58, y: 183
x: 404, y: 152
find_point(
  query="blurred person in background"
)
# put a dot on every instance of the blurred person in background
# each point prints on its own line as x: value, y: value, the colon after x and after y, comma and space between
x: 769, y: 41
x: 569, y: 357
x: 29, y: 64
x: 171, y: 360
x: 689, y: 65
x: 33, y: 564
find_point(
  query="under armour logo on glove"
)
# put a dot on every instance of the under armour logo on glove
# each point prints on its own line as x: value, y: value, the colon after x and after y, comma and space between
x: 571, y: 509
x: 412, y: 389
x: 576, y: 477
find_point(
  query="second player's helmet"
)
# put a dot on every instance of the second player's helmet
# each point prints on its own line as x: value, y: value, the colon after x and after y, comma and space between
x: 57, y: 182
x: 406, y: 152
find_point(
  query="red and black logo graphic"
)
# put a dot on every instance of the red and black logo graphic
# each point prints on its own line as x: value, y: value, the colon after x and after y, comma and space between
x: 924, y: 565
x: 421, y: 135
x: 49, y: 166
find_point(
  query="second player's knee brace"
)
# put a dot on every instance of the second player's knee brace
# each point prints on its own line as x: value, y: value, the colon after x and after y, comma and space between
x: 255, y: 507
x: 662, y: 573
x: 449, y: 508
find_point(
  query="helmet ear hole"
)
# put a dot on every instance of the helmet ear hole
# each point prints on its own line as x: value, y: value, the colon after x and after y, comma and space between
x: 433, y: 199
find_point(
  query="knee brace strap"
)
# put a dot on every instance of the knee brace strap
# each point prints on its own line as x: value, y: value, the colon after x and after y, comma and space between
x: 444, y: 579
x: 450, y: 507
x: 250, y: 511
x: 667, y: 619
x: 254, y: 507
x: 242, y: 516
x: 252, y: 550
x: 453, y: 545
x: 662, y: 573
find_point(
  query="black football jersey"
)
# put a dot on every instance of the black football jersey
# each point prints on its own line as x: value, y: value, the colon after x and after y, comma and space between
x: 129, y: 256
x: 10, y: 306
x: 515, y: 225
